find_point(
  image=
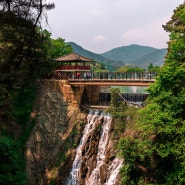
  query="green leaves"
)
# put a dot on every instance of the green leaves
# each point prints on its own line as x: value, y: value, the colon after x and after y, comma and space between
x: 158, y: 145
x: 59, y: 48
x: 9, y: 154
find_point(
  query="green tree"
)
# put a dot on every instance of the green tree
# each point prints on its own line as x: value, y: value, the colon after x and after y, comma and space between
x: 59, y: 48
x: 11, y: 163
x: 152, y: 68
x: 32, y: 10
x: 98, y: 67
x: 23, y: 60
x: 22, y: 55
x: 129, y: 69
x: 156, y: 155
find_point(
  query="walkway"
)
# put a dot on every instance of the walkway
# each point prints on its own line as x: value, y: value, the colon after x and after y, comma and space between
x: 115, y: 79
x: 110, y: 78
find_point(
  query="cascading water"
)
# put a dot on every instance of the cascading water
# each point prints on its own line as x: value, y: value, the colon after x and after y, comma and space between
x: 114, y: 169
x: 74, y: 174
x: 93, y: 176
x: 133, y: 89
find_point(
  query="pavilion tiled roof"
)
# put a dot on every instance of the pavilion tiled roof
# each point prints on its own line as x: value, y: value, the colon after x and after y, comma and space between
x: 73, y: 57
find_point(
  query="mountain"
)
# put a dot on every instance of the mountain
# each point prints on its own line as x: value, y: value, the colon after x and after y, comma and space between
x: 156, y: 57
x: 137, y: 55
x: 97, y: 57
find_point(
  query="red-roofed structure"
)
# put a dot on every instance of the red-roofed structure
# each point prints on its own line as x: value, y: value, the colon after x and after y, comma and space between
x: 72, y: 65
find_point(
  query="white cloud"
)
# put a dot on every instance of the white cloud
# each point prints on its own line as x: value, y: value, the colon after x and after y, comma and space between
x: 99, y: 38
x: 95, y: 11
x: 120, y: 22
x: 152, y: 35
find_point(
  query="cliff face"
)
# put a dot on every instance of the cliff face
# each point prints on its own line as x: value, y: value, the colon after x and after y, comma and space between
x: 57, y: 115
x: 51, y: 147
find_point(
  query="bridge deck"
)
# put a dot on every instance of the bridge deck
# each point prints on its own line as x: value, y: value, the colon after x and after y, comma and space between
x: 112, y: 82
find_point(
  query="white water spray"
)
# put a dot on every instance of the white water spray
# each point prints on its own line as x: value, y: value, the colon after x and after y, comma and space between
x: 133, y: 89
x: 90, y: 126
x: 95, y: 176
x: 114, y: 171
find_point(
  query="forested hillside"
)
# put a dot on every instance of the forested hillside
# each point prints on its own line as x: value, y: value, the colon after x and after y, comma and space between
x: 97, y: 57
x: 141, y: 56
x: 156, y: 57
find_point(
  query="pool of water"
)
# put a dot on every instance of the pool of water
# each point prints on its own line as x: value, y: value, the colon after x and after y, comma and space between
x: 127, y: 89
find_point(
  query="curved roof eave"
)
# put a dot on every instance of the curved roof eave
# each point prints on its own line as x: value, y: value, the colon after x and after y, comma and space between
x: 73, y: 57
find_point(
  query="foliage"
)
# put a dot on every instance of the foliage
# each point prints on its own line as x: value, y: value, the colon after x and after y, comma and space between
x: 98, y: 67
x: 152, y: 68
x: 22, y: 104
x: 59, y: 48
x: 114, y: 98
x: 24, y: 58
x: 121, y: 112
x: 130, y: 69
x: 28, y: 10
x: 10, y: 154
x: 156, y: 153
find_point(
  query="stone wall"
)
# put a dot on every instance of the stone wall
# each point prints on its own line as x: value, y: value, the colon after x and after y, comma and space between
x: 92, y: 93
x: 56, y: 111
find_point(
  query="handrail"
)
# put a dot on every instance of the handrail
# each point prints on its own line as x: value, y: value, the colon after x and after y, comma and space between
x: 114, y: 76
x: 73, y: 67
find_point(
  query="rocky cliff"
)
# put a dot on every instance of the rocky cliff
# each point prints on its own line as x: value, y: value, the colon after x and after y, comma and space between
x: 57, y: 116
x: 51, y: 147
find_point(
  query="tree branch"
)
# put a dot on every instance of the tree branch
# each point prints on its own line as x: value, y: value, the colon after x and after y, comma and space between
x: 127, y: 102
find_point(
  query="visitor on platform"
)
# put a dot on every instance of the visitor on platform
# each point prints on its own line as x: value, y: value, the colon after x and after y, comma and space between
x: 78, y: 75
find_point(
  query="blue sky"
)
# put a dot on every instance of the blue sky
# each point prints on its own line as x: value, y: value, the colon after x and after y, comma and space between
x: 101, y: 25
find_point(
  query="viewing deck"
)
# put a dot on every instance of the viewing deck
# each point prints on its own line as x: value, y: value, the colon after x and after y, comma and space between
x: 115, y: 79
x: 108, y: 78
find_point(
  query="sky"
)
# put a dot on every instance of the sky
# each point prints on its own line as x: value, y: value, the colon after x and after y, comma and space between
x: 101, y: 25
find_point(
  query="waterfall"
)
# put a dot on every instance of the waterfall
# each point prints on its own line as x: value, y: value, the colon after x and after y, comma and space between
x: 90, y: 126
x: 94, y: 176
x: 114, y: 171
x: 133, y: 89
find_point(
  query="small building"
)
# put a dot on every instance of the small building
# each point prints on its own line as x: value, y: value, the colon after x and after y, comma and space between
x: 72, y: 65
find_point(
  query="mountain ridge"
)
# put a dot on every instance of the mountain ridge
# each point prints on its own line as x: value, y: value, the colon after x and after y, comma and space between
x: 138, y: 55
x: 97, y: 57
x: 135, y: 55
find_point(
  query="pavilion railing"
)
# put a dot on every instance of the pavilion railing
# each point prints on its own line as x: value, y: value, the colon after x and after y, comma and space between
x: 73, y: 67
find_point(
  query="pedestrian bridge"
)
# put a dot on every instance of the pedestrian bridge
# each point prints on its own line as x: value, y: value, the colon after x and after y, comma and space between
x: 115, y: 79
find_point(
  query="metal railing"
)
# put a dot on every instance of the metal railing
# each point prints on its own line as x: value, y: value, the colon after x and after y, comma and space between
x: 107, y: 76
